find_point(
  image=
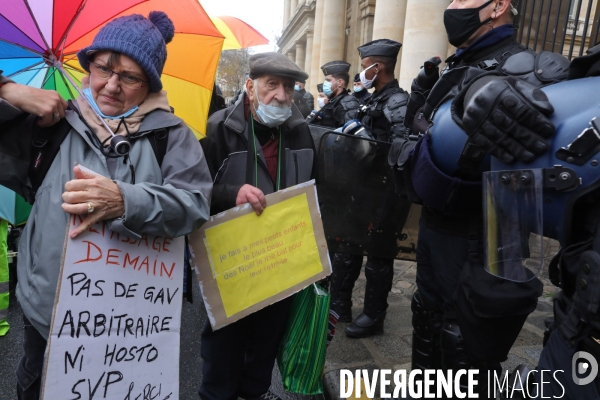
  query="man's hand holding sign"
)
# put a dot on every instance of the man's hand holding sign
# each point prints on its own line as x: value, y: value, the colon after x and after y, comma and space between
x: 254, y: 196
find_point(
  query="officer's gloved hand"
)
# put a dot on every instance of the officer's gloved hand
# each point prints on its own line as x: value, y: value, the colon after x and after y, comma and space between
x: 313, y: 117
x: 354, y: 127
x: 351, y: 127
x: 505, y: 116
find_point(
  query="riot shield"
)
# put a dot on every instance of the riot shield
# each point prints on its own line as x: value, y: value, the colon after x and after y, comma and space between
x: 317, y: 132
x: 360, y: 210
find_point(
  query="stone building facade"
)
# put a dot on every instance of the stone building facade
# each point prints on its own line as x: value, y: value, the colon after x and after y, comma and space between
x: 318, y: 31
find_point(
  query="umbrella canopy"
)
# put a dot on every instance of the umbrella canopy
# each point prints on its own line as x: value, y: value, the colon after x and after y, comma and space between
x: 238, y: 34
x: 37, y: 35
x: 13, y: 208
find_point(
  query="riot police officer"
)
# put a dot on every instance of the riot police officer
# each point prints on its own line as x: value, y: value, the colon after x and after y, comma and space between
x: 464, y: 317
x: 570, y: 213
x: 341, y: 107
x: 360, y: 92
x: 381, y: 117
x: 308, y: 97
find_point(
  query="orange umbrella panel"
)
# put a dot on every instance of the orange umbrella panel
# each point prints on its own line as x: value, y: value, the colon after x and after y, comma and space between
x: 238, y: 34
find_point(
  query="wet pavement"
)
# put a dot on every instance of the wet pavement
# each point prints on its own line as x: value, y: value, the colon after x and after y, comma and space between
x: 392, y: 350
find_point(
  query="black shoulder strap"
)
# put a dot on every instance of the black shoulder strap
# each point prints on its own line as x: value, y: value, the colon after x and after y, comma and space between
x: 497, y: 62
x: 44, y: 148
x: 159, y: 140
x: 46, y: 142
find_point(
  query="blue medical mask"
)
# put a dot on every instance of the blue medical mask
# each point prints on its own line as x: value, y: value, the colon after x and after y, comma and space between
x: 358, y: 89
x: 269, y: 115
x: 327, y: 88
x: 88, y: 95
x: 297, y: 88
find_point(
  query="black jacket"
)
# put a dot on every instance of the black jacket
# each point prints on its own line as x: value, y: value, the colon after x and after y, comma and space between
x: 383, y: 112
x: 508, y: 57
x: 362, y: 96
x: 300, y: 102
x: 341, y: 109
x: 226, y: 147
x: 310, y: 100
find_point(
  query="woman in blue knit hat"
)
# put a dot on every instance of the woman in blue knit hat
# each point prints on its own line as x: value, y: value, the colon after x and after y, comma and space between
x: 147, y: 185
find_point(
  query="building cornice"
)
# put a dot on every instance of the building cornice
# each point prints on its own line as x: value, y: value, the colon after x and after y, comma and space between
x: 301, y: 24
x: 367, y: 8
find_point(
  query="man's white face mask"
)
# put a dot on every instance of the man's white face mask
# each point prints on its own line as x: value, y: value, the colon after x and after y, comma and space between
x: 367, y: 83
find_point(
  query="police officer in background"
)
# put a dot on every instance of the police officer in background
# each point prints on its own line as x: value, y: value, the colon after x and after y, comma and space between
x: 300, y: 102
x: 381, y: 117
x: 464, y: 317
x: 341, y: 107
x: 308, y: 98
x: 360, y: 92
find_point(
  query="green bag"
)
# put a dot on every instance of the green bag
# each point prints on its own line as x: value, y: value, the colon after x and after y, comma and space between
x: 301, y: 357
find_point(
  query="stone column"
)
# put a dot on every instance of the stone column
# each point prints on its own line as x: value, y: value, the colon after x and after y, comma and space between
x: 291, y: 55
x: 315, y: 71
x: 424, y: 36
x: 308, y: 60
x: 300, y: 54
x: 333, y: 36
x: 286, y: 13
x: 389, y: 23
x: 293, y: 8
x: 367, y: 14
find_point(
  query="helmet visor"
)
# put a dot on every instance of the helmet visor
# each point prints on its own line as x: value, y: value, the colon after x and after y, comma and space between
x: 513, y: 202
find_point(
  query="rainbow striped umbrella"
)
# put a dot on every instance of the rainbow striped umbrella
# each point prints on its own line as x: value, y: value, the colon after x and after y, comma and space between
x: 38, y: 38
x: 238, y: 34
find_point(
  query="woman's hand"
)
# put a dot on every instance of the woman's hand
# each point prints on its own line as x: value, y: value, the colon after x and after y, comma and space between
x: 46, y: 104
x: 89, y: 191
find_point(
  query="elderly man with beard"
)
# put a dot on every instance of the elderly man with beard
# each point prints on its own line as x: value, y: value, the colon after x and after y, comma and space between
x: 258, y: 146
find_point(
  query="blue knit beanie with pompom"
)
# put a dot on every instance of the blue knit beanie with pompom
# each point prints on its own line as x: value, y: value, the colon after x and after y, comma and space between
x: 142, y: 39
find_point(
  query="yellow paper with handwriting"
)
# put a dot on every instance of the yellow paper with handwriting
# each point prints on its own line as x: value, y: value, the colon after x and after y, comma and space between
x: 255, y: 257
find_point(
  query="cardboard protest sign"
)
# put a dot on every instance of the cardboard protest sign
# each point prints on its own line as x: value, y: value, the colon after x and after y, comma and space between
x: 246, y: 262
x: 115, y: 328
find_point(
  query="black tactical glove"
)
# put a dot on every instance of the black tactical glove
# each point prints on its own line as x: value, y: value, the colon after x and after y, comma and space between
x: 506, y: 116
x: 399, y: 160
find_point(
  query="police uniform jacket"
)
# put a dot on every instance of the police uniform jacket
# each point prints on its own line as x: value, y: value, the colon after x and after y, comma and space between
x: 383, y: 113
x: 310, y: 100
x: 341, y: 109
x: 508, y: 58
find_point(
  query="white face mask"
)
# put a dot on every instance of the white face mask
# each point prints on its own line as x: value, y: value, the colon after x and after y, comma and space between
x: 367, y: 83
x: 321, y: 102
x: 271, y: 116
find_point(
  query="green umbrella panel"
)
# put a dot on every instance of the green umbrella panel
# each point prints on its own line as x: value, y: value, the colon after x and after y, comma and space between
x: 13, y: 208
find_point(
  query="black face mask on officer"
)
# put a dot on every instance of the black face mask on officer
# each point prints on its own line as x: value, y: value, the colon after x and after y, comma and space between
x: 461, y: 23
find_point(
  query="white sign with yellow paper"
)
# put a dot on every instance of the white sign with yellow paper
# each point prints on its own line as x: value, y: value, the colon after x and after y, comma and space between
x: 246, y: 262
